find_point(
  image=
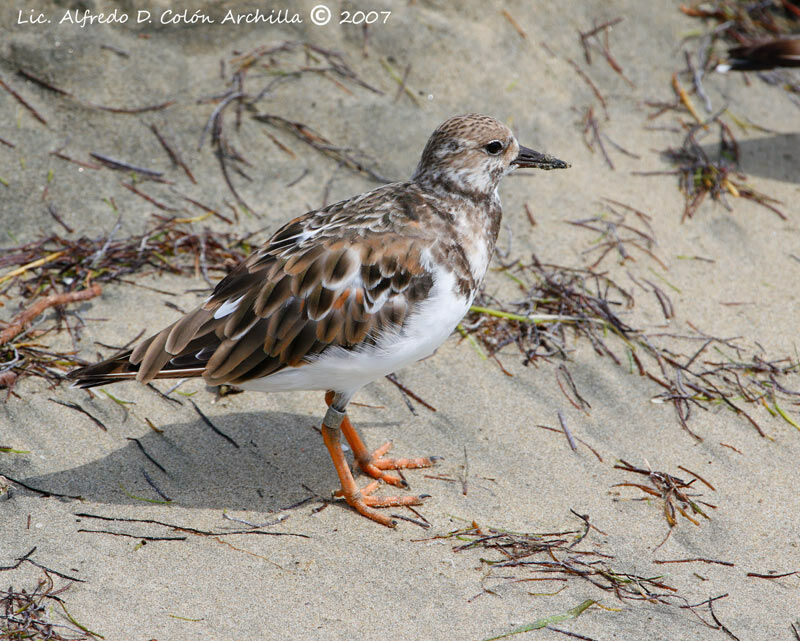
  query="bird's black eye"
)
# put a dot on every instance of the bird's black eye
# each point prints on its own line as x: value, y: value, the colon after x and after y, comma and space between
x: 494, y: 147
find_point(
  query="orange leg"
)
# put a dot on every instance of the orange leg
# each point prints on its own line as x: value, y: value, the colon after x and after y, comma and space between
x: 374, y: 463
x: 360, y: 499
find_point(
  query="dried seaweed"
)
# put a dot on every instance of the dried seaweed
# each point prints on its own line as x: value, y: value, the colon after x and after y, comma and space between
x: 55, y: 270
x: 745, y: 22
x: 616, y: 235
x: 560, y: 305
x: 558, y: 560
x: 702, y: 176
x: 673, y: 491
x: 555, y: 557
x: 513, y: 22
x: 555, y: 299
x: 183, y: 529
x: 350, y: 158
x: 699, y: 173
x: 742, y: 25
x: 44, y: 84
x: 592, y: 38
x: 268, y: 67
x: 29, y: 614
x: 585, y: 77
x: 23, y: 102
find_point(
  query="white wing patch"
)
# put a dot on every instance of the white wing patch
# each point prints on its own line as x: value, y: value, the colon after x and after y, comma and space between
x: 228, y: 307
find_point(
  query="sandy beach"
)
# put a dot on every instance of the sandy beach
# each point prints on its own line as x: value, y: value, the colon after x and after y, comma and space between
x: 136, y: 495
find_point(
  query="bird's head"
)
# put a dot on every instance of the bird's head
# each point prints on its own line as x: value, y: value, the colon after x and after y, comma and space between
x: 470, y: 154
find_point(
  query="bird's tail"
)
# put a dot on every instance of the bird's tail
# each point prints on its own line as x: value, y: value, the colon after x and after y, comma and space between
x: 111, y: 370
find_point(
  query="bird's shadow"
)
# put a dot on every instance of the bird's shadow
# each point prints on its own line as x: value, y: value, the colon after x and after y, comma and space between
x: 262, y: 465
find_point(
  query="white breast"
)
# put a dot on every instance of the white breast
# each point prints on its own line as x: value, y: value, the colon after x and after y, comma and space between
x: 348, y: 370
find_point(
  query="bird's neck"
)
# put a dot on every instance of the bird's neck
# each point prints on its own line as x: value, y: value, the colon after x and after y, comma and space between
x: 477, y: 232
x: 473, y: 225
x: 477, y: 188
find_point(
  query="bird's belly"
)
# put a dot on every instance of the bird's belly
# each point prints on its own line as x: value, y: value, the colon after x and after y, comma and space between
x: 347, y: 370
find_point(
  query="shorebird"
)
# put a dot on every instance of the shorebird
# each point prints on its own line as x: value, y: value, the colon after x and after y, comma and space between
x: 343, y: 295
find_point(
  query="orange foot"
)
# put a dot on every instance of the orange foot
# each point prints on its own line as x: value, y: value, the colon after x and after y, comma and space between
x: 372, y: 464
x: 363, y: 502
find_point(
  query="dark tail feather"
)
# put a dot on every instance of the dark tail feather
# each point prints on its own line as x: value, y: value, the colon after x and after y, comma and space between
x: 781, y: 52
x: 151, y: 358
x: 117, y: 368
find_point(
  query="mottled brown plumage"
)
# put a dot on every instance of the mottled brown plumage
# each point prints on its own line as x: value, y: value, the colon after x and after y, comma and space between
x: 345, y: 294
x: 342, y: 286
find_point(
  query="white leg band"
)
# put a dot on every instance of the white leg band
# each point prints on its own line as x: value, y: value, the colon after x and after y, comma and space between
x: 333, y: 418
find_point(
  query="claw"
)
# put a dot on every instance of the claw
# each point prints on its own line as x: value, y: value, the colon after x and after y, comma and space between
x: 373, y: 464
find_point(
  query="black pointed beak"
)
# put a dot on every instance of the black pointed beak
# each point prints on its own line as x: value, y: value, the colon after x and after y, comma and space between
x: 530, y: 158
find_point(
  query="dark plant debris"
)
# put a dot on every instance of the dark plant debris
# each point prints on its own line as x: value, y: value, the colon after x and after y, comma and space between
x: 741, y: 27
x: 33, y: 614
x: 256, y: 75
x: 700, y: 172
x: 182, y: 529
x: 55, y: 271
x: 744, y: 23
x: 558, y: 305
x: 28, y: 558
x: 550, y: 562
x: 701, y: 175
x: 44, y: 84
x: 740, y: 24
x: 673, y: 491
x: 617, y: 236
x: 592, y: 39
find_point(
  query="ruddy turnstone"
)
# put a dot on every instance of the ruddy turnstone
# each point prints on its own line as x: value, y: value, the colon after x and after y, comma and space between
x: 344, y: 295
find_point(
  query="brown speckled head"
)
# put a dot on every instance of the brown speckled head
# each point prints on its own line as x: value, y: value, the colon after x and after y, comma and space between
x: 470, y: 154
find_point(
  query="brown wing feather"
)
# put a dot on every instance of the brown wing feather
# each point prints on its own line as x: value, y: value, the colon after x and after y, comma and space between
x: 779, y: 52
x: 320, y: 281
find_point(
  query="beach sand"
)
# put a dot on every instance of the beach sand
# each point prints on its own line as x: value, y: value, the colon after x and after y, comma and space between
x: 332, y: 574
